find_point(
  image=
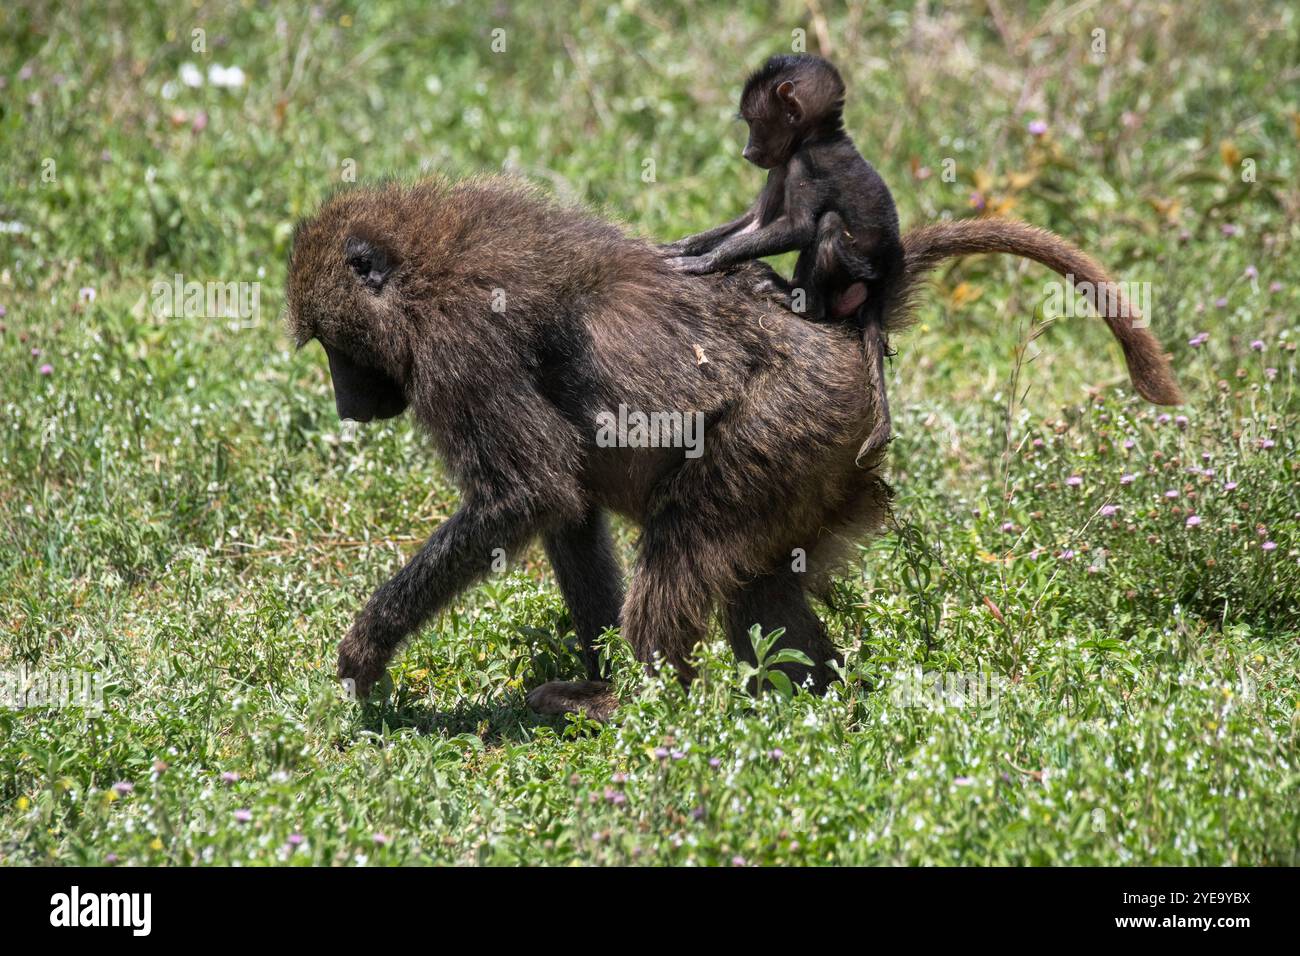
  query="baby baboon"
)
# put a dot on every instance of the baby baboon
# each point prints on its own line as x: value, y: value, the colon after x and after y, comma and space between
x: 508, y: 324
x: 822, y: 199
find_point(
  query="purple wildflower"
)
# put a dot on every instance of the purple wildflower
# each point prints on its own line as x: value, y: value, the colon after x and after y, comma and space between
x: 243, y: 815
x: 1193, y: 521
x: 1074, y: 481
x: 123, y: 787
x: 1037, y: 128
x: 1268, y: 546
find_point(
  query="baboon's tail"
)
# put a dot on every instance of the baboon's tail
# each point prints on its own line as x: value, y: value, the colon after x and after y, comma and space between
x: 925, y: 247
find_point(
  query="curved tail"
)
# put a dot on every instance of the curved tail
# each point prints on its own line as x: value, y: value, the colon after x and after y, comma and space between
x: 925, y: 247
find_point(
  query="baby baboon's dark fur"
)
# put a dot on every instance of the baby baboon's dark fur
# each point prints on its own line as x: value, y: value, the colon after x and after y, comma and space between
x: 823, y: 199
x: 401, y: 281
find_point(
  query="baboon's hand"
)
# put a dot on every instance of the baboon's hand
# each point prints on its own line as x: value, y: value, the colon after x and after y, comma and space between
x: 671, y: 249
x: 361, y: 662
x: 693, y: 265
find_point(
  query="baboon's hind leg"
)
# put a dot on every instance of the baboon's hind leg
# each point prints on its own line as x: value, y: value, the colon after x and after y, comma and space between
x: 595, y: 698
x: 777, y: 599
x: 582, y: 554
x: 672, y: 594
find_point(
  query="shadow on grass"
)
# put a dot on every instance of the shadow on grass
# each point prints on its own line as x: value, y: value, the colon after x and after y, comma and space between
x: 504, y: 719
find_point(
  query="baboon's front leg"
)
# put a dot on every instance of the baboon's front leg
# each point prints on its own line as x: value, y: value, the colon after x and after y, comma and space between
x: 457, y: 554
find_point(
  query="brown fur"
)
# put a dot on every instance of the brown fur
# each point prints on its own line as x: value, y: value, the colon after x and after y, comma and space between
x: 593, y: 319
x: 926, y: 247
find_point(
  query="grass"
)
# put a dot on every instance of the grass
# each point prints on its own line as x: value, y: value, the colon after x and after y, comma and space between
x: 182, y: 516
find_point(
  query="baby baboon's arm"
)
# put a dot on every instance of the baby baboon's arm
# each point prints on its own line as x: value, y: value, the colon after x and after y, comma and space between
x: 708, y: 240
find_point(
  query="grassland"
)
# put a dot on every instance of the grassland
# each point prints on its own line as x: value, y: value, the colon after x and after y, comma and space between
x: 182, y: 516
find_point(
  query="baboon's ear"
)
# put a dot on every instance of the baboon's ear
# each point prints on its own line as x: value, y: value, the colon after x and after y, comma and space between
x: 370, y: 261
x: 785, y: 93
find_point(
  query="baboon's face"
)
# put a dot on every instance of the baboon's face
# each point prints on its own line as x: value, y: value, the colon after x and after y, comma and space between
x: 360, y: 393
x: 783, y: 107
x: 772, y: 133
x: 344, y: 293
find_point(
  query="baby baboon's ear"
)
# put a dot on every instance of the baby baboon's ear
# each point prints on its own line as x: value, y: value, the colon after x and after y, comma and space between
x: 786, y: 94
x: 370, y: 261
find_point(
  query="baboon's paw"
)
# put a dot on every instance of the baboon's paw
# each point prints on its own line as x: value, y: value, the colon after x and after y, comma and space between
x: 592, y: 697
x: 361, y: 663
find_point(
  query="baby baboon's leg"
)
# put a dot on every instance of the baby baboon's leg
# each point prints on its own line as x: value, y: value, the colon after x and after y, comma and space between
x: 582, y: 554
x: 862, y: 302
x: 834, y: 262
x: 777, y: 599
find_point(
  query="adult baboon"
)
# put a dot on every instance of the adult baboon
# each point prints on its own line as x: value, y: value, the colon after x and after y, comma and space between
x: 508, y: 324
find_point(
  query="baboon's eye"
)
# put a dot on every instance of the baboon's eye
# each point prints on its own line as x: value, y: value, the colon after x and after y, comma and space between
x: 370, y: 262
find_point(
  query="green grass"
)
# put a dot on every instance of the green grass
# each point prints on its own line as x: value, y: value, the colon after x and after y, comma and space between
x: 179, y: 515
